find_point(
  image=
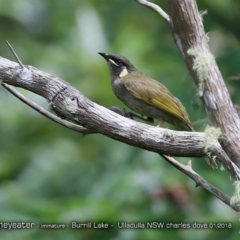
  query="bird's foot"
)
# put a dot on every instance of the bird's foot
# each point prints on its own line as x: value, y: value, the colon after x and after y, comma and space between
x: 160, y: 123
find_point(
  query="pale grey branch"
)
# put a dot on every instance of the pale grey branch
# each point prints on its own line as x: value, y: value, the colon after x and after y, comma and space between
x: 189, y: 35
x: 46, y: 113
x: 69, y: 103
x: 156, y: 8
x: 201, y: 181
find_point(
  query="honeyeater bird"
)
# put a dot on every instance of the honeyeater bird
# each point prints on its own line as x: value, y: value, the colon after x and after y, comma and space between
x: 145, y: 95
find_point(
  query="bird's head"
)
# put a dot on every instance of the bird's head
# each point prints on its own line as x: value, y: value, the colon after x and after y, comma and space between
x: 119, y: 66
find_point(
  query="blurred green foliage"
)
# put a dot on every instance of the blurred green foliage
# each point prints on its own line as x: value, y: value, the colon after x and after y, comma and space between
x: 49, y: 174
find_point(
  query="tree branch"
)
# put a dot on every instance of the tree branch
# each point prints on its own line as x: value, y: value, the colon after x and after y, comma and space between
x: 61, y: 121
x: 15, y: 55
x: 201, y: 181
x: 185, y: 169
x: 46, y: 113
x: 189, y: 35
x: 71, y: 104
x: 155, y: 8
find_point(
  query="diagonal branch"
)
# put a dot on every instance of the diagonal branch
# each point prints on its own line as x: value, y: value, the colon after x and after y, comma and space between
x: 155, y: 8
x: 71, y: 104
x: 190, y: 38
x: 25, y: 75
x: 15, y: 55
x: 59, y: 120
x: 189, y: 35
x: 201, y: 181
x: 187, y: 170
x: 46, y: 113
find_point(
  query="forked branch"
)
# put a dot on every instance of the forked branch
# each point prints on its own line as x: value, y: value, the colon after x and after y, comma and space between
x: 69, y: 103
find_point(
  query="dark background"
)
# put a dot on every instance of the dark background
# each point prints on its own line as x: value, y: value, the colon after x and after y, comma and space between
x: 49, y: 174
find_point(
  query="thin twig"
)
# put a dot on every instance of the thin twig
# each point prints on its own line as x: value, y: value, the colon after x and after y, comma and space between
x: 155, y: 8
x: 46, y: 113
x: 15, y: 55
x: 187, y: 170
x: 200, y: 121
x: 39, y: 109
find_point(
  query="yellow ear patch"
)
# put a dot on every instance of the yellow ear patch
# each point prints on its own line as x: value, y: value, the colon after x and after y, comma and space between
x: 124, y: 72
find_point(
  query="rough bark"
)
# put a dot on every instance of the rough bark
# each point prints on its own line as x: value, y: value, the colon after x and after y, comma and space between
x: 188, y: 33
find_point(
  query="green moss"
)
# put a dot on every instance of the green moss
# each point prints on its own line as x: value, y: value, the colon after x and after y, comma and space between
x: 236, y: 196
x: 212, y: 134
x: 202, y: 64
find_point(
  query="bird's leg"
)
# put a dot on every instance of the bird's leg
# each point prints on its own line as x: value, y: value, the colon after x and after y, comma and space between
x: 160, y: 123
x: 147, y: 120
x: 131, y: 115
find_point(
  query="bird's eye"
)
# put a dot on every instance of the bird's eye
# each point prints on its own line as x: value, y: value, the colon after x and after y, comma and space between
x: 119, y: 63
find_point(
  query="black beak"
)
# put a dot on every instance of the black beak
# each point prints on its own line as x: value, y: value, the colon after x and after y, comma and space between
x: 105, y: 55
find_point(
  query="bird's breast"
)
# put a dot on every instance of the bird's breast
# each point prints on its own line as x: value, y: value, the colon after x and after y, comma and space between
x: 127, y: 98
x: 120, y: 90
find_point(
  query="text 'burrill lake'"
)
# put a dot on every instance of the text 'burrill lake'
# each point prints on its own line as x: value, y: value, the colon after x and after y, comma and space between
x: 90, y: 225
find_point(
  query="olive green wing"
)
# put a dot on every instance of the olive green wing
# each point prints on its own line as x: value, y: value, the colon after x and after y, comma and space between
x: 155, y: 94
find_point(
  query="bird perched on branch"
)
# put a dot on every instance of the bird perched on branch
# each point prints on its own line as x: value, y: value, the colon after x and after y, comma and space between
x: 145, y: 95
